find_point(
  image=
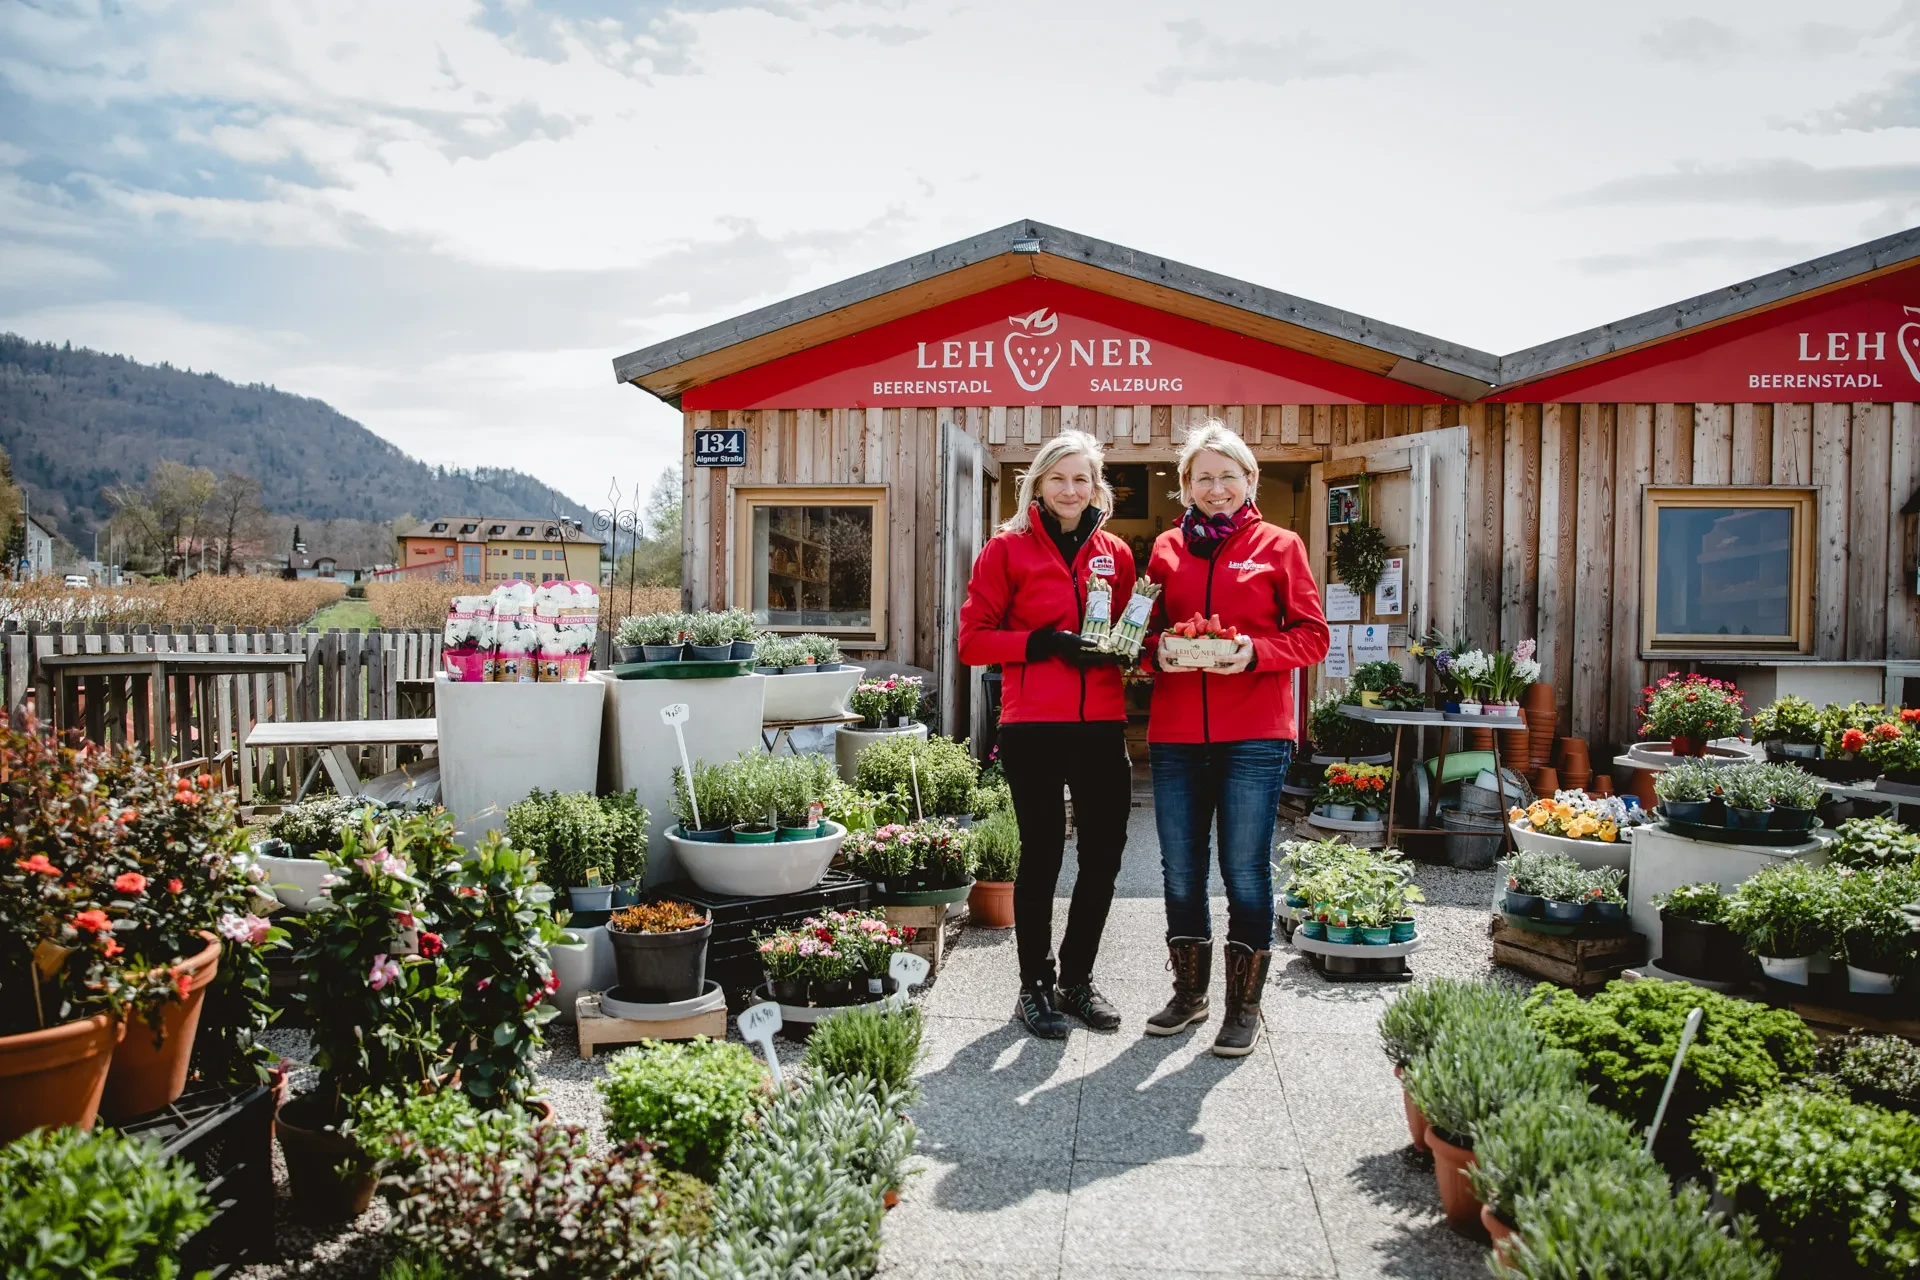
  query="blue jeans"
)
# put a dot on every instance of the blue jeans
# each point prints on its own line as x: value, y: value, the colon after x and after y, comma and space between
x: 1236, y: 787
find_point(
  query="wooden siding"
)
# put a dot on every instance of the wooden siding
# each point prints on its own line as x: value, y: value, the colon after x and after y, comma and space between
x: 1552, y: 500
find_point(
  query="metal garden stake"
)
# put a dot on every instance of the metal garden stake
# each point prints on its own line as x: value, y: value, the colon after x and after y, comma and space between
x: 1687, y: 1033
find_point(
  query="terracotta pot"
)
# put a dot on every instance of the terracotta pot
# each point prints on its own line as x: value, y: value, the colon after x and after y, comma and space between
x: 1497, y: 1231
x: 1687, y: 746
x: 1479, y: 739
x: 1642, y: 787
x: 892, y: 1197
x: 314, y: 1153
x: 990, y: 904
x: 1546, y: 780
x: 1457, y: 1200
x: 1600, y: 785
x: 54, y: 1077
x: 145, y: 1078
x: 1416, y: 1120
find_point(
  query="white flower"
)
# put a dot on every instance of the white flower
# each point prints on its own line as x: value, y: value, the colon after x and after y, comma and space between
x: 1528, y: 670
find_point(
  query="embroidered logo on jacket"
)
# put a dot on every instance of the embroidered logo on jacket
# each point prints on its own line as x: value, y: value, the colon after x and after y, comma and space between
x: 1251, y: 566
x: 1102, y: 565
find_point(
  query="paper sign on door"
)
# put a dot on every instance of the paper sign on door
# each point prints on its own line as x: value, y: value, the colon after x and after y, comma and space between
x: 1387, y: 595
x: 1343, y: 603
x: 1338, y: 667
x: 1370, y: 642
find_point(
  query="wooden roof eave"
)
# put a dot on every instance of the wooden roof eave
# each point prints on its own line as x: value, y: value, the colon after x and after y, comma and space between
x: 667, y: 369
x: 1705, y: 311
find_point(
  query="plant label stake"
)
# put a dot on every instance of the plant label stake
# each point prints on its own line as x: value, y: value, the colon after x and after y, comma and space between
x: 909, y: 971
x: 675, y: 714
x: 1687, y: 1034
x: 757, y: 1025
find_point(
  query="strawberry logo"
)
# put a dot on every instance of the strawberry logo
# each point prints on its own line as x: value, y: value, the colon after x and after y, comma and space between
x: 1909, y: 337
x: 1032, y: 350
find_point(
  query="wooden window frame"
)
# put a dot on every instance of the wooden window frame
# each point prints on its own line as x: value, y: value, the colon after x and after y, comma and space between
x: 874, y: 496
x: 1803, y: 502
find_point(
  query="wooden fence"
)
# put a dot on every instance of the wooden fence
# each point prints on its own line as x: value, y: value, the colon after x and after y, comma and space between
x: 347, y: 675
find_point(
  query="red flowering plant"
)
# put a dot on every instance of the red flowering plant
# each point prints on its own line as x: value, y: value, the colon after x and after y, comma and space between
x: 189, y: 874
x: 1893, y: 745
x: 69, y: 899
x: 375, y: 998
x: 1692, y: 706
x: 493, y: 922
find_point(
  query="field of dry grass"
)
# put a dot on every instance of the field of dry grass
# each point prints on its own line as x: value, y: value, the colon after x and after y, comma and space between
x: 204, y: 601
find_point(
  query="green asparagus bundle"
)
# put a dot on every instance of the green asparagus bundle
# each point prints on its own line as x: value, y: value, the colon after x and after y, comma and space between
x: 1099, y: 617
x: 1131, y: 629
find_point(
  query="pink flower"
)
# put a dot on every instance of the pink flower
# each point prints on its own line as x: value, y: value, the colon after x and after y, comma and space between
x: 250, y: 929
x: 384, y: 970
x: 1523, y: 650
x: 483, y: 984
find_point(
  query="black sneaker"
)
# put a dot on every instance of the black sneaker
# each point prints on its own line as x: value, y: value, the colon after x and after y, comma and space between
x: 1035, y: 1009
x: 1084, y: 1001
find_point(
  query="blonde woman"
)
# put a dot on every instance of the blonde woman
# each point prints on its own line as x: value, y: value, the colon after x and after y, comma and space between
x: 1062, y: 718
x: 1221, y: 740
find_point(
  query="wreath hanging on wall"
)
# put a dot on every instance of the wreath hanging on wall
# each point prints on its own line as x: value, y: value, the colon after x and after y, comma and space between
x: 1360, y: 556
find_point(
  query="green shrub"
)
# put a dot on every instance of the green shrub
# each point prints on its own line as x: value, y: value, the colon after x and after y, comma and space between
x: 1785, y: 910
x: 1831, y: 1177
x: 94, y: 1206
x: 713, y: 788
x: 803, y: 1194
x: 572, y: 834
x: 443, y: 1120
x: 419, y: 1265
x: 1408, y: 1025
x: 1594, y: 1224
x: 996, y: 846
x: 947, y: 769
x: 1864, y: 843
x: 1788, y: 719
x: 1625, y: 1037
x: 1476, y: 1067
x: 1873, y: 930
x: 317, y: 824
x: 1528, y: 1145
x: 1879, y: 1069
x: 1701, y: 901
x: 689, y: 1100
x: 880, y: 1046
x: 990, y: 798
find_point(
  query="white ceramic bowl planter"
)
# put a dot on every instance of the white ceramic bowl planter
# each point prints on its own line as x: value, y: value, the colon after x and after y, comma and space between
x: 757, y: 870
x: 1588, y: 853
x: 294, y: 881
x: 813, y: 695
x: 850, y: 740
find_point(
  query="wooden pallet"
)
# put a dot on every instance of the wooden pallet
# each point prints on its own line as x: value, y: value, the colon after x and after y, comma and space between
x: 929, y: 925
x: 1580, y: 963
x: 596, y: 1028
x: 1836, y: 1020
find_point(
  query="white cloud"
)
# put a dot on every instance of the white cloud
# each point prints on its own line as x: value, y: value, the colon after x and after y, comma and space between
x: 35, y: 264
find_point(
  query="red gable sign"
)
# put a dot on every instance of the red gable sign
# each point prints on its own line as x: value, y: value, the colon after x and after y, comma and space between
x: 1856, y: 343
x: 1039, y: 341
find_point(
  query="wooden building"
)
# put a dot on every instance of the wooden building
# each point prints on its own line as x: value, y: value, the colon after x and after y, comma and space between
x: 1726, y: 482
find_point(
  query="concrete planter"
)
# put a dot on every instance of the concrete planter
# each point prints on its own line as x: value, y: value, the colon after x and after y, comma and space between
x: 850, y: 741
x: 500, y: 741
x: 814, y: 695
x: 586, y: 965
x: 757, y: 870
x: 294, y: 881
x: 638, y: 752
x: 1661, y: 861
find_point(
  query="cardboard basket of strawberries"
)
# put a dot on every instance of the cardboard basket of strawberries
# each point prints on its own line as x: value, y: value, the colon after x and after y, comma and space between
x: 1199, y: 643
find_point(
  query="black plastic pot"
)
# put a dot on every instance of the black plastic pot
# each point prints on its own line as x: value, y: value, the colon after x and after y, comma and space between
x: 658, y: 968
x: 1739, y: 819
x: 1525, y: 904
x: 1686, y: 810
x: 1559, y: 912
x: 1607, y: 913
x: 1700, y: 949
x: 1786, y: 818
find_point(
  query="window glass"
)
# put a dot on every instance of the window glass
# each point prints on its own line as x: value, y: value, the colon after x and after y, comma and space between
x: 1724, y: 571
x: 813, y: 566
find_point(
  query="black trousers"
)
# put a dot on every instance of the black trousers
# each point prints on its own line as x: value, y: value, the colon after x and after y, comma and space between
x: 1090, y: 760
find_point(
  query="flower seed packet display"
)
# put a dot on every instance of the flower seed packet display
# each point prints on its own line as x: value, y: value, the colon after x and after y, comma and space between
x: 566, y: 617
x: 515, y: 637
x: 466, y: 643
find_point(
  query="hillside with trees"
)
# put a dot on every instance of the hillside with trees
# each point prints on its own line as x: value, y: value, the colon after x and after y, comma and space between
x: 79, y: 425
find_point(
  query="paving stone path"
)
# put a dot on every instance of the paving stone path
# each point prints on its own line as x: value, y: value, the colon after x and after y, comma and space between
x: 1123, y: 1155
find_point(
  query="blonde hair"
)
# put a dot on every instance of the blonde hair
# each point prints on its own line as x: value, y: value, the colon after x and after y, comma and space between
x: 1055, y: 451
x: 1218, y: 437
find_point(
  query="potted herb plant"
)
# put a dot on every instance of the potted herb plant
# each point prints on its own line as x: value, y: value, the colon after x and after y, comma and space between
x: 996, y: 846
x: 657, y: 635
x: 708, y: 812
x: 1867, y: 843
x: 1784, y: 914
x: 754, y: 786
x: 932, y: 778
x: 799, y: 790
x: 774, y: 654
x: 710, y: 637
x: 1408, y: 1027
x: 753, y: 860
x: 1529, y: 873
x: 660, y: 951
x: 1875, y: 935
x: 1796, y: 794
x: 1748, y: 792
x: 585, y: 845
x: 1694, y: 939
x: 1686, y: 790
x: 745, y: 633
x: 822, y: 652
x: 1564, y: 886
x: 1883, y: 1071
x: 1523, y: 1148
x: 1788, y: 727
x: 1690, y: 711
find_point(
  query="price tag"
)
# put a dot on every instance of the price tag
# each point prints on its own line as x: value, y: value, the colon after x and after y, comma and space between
x: 757, y: 1025
x: 909, y: 971
x: 674, y: 715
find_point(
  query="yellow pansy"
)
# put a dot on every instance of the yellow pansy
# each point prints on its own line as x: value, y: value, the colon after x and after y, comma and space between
x: 1609, y: 832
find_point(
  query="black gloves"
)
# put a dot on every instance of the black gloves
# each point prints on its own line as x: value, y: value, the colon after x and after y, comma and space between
x: 1074, y: 648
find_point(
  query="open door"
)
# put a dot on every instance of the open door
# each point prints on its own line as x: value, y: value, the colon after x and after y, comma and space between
x: 967, y: 480
x: 1414, y: 488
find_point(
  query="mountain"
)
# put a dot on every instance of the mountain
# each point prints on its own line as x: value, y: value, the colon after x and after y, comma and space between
x: 77, y: 421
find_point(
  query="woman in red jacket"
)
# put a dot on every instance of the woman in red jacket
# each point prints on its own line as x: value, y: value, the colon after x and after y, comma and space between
x: 1063, y: 718
x: 1221, y: 740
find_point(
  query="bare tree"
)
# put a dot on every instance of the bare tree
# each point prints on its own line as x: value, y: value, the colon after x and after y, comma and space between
x: 237, y: 509
x: 167, y: 512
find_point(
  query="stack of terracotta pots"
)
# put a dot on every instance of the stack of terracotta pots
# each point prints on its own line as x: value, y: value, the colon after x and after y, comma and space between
x: 1575, y: 769
x: 1541, y: 713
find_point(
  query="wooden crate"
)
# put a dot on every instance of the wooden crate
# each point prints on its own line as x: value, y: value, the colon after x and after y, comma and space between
x: 929, y: 925
x: 1580, y: 963
x: 596, y: 1028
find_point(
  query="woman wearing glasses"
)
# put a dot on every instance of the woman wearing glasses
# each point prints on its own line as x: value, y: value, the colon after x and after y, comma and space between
x: 1221, y: 740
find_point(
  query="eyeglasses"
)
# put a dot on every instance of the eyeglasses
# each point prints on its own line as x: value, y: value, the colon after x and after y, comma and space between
x: 1225, y: 479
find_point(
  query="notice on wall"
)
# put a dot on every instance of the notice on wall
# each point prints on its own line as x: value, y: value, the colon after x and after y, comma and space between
x: 1387, y: 596
x: 1343, y: 603
x: 1337, y: 665
x: 1370, y: 642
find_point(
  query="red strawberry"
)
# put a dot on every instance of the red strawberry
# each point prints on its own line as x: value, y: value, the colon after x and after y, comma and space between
x: 1032, y: 352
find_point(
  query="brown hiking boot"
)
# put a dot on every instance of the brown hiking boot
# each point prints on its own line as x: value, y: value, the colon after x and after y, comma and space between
x: 1191, y: 960
x: 1246, y: 979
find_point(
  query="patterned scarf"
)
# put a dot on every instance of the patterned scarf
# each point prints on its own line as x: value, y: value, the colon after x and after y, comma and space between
x: 1204, y: 534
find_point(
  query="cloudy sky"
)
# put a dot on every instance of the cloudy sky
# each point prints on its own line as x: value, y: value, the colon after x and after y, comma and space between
x: 445, y: 217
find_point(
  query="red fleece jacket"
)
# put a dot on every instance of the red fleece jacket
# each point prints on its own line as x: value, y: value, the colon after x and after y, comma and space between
x: 1258, y: 581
